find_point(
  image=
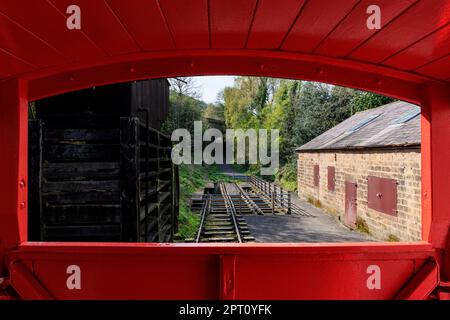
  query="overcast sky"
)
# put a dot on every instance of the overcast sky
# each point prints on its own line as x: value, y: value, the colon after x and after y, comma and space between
x: 210, y: 86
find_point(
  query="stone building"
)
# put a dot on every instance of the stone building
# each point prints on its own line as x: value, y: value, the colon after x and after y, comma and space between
x: 366, y: 171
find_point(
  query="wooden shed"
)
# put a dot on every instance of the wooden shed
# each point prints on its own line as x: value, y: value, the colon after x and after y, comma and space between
x: 99, y: 169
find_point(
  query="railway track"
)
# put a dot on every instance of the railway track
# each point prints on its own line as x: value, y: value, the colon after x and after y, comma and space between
x: 222, y: 214
x: 221, y: 217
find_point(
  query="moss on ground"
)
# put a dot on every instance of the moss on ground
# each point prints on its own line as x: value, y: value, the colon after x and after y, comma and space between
x: 392, y: 238
x: 361, y: 226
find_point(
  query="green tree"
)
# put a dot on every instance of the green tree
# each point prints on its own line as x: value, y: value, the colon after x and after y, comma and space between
x: 367, y: 100
x: 183, y: 111
x: 301, y: 110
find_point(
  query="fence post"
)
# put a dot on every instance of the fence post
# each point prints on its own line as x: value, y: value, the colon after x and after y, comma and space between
x: 240, y: 205
x: 289, y: 203
x: 129, y: 175
x: 273, y: 200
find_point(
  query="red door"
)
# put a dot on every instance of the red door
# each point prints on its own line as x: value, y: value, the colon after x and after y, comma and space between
x: 350, y: 204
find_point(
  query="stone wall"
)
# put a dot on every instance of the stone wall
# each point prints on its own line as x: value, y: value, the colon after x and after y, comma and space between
x: 404, y: 165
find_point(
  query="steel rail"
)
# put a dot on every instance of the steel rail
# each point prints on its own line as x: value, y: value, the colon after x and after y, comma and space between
x: 230, y: 207
x: 253, y: 206
x: 205, y: 210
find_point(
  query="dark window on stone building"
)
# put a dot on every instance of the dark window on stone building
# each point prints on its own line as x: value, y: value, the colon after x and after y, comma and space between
x: 331, y: 178
x: 316, y: 175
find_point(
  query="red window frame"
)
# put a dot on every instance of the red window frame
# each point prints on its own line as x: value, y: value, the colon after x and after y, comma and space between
x: 47, y: 259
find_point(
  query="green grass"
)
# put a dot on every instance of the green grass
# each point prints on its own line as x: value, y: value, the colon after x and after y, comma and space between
x: 188, y: 223
x: 193, y: 178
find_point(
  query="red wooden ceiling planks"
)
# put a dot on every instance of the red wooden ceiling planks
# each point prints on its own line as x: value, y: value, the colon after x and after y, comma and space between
x: 439, y: 69
x: 230, y: 22
x: 433, y: 47
x: 101, y: 25
x: 35, y: 36
x: 10, y: 65
x: 188, y: 22
x: 315, y: 22
x: 26, y: 46
x: 136, y: 15
x: 419, y: 21
x: 73, y: 44
x: 272, y: 22
x: 353, y: 30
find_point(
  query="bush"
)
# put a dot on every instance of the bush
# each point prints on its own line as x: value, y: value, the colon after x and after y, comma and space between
x: 287, y: 177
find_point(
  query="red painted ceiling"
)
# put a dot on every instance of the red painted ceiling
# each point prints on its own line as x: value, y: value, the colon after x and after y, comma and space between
x: 415, y: 34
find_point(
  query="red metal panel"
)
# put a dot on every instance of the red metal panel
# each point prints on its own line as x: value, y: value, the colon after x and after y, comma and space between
x: 433, y: 47
x: 316, y: 174
x: 401, y: 33
x: 13, y: 164
x: 317, y: 279
x: 285, y: 271
x: 351, y: 197
x: 228, y: 277
x: 226, y: 62
x: 439, y: 69
x: 271, y: 22
x: 26, y: 46
x: 151, y: 276
x: 331, y: 178
x: 425, y: 129
x: 136, y: 15
x: 382, y: 195
x: 422, y: 284
x: 317, y: 19
x: 25, y: 284
x: 50, y: 25
x: 352, y: 31
x: 230, y: 22
x: 102, y: 26
x: 436, y: 155
x: 188, y: 22
x: 50, y: 81
x: 10, y: 64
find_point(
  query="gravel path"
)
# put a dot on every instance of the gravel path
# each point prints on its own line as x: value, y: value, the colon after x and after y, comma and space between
x: 295, y: 228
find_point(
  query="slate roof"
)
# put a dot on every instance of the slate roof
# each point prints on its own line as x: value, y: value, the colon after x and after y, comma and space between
x: 396, y: 124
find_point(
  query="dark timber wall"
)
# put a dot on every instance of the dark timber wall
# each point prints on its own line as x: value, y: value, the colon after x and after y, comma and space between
x: 99, y: 170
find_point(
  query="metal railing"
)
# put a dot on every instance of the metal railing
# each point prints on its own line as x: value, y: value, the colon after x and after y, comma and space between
x: 279, y: 197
